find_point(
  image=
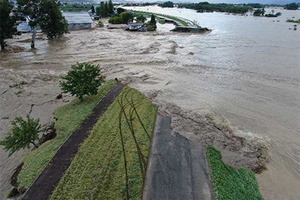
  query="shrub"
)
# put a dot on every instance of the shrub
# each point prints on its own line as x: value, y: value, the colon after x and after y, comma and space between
x: 100, y: 23
x: 162, y: 21
x: 22, y: 134
x: 126, y: 16
x: 141, y: 18
x: 116, y: 20
x: 259, y: 12
x: 120, y: 10
x: 82, y: 79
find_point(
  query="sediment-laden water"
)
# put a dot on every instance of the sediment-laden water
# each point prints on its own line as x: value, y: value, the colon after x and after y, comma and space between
x: 239, y: 81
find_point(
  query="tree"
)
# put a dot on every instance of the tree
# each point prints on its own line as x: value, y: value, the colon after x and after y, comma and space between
x: 141, y: 18
x: 168, y: 4
x: 53, y: 23
x: 120, y: 10
x: 291, y: 6
x: 115, y: 20
x: 39, y: 12
x: 152, y: 24
x: 126, y: 16
x: 82, y: 79
x: 259, y: 12
x: 22, y: 134
x: 110, y: 7
x: 93, y: 9
x: 7, y: 25
x: 102, y: 10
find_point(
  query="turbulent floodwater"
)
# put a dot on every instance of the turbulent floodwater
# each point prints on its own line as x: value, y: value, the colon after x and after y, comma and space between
x: 246, y: 72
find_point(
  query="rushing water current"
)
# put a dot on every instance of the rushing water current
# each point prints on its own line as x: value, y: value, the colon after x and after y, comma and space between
x: 246, y: 70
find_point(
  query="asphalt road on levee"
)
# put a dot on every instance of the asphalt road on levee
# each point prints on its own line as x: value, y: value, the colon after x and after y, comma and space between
x: 177, y: 167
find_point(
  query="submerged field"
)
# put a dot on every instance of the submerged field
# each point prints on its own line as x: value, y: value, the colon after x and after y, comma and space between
x: 112, y: 161
x: 230, y: 183
x: 69, y: 118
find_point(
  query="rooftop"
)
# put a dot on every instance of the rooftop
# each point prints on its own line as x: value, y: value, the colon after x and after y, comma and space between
x: 77, y: 17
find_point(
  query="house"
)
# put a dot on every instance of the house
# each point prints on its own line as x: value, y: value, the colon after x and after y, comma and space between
x: 78, y: 20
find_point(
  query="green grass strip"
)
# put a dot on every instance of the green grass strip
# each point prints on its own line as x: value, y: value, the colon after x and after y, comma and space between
x: 230, y: 183
x: 69, y: 117
x: 184, y: 23
x: 98, y: 171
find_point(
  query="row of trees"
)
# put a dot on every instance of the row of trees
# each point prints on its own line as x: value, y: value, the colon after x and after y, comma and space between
x: 209, y: 7
x: 291, y: 6
x: 105, y: 9
x: 83, y: 79
x: 167, y: 4
x: 40, y: 13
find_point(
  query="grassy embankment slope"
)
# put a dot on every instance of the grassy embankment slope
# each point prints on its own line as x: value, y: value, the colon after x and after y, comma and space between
x: 230, y: 183
x: 69, y: 117
x: 184, y: 23
x: 120, y: 137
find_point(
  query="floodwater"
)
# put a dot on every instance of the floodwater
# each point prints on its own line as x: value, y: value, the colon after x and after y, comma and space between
x: 240, y: 80
x: 248, y: 70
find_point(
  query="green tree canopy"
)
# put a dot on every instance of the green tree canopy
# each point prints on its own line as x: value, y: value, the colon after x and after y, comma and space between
x: 45, y: 13
x: 167, y: 4
x: 83, y: 79
x: 141, y: 18
x: 53, y: 23
x: 7, y: 25
x: 102, y: 9
x: 127, y: 17
x: 291, y: 6
x: 259, y: 12
x: 152, y: 24
x: 110, y: 7
x: 22, y: 134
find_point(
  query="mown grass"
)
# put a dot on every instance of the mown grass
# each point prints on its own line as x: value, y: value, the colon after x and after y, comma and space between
x: 184, y: 23
x: 69, y: 118
x: 230, y: 183
x: 98, y: 169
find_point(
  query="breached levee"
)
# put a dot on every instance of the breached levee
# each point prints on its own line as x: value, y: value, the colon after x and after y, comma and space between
x: 239, y: 149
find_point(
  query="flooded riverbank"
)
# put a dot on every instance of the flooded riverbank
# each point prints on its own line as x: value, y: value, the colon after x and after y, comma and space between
x: 245, y: 72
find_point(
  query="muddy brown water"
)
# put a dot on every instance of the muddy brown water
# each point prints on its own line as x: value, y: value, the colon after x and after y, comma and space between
x: 236, y: 88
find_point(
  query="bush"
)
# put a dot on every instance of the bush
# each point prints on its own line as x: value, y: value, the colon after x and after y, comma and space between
x: 22, y: 134
x: 116, y: 20
x: 162, y: 21
x: 100, y: 23
x: 126, y: 16
x: 82, y: 79
x: 120, y: 10
x: 141, y: 18
x: 293, y: 20
x: 259, y: 12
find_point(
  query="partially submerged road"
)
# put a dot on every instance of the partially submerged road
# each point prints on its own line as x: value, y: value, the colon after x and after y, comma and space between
x: 177, y: 168
x: 47, y: 181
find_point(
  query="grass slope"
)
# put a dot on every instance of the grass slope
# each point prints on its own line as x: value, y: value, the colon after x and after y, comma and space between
x: 98, y: 170
x: 230, y: 183
x: 69, y: 117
